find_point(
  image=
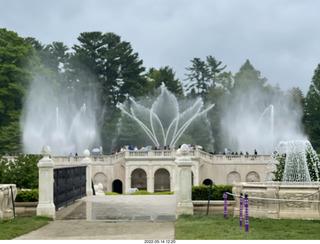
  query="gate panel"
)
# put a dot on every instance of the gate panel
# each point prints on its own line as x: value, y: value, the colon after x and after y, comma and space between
x: 69, y: 185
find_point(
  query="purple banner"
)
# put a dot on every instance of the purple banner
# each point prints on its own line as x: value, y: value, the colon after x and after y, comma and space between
x: 241, y: 206
x: 246, y: 213
x: 225, y: 204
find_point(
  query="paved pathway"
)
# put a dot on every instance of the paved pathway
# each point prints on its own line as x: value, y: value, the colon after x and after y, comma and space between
x: 123, y: 217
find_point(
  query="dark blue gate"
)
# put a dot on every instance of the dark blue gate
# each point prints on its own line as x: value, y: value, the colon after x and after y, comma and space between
x: 69, y: 185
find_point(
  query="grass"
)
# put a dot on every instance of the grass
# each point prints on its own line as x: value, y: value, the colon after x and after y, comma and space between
x: 11, y: 228
x: 194, y: 227
x: 142, y: 192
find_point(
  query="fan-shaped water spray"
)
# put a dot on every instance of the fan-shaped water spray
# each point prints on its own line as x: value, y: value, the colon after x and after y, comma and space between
x: 164, y: 123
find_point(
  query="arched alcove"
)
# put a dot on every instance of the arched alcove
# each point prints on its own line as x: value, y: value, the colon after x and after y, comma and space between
x: 139, y: 179
x: 161, y: 180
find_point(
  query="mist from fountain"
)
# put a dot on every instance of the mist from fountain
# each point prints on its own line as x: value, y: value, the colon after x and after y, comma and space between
x: 50, y: 118
x: 256, y: 120
x: 164, y: 123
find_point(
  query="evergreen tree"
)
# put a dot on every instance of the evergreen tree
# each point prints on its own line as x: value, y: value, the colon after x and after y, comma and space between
x: 166, y: 75
x: 202, y: 75
x: 312, y: 111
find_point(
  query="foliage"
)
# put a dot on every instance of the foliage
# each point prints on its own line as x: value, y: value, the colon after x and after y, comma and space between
x: 312, y: 110
x: 166, y: 75
x: 193, y: 227
x: 142, y: 192
x: 17, y: 62
x: 203, y: 75
x: 21, y: 225
x: 202, y: 192
x: 22, y: 171
x: 27, y: 196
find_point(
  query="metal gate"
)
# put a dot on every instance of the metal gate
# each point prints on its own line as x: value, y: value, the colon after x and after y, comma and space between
x: 69, y: 185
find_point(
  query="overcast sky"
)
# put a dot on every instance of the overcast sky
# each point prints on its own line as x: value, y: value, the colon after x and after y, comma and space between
x: 281, y: 38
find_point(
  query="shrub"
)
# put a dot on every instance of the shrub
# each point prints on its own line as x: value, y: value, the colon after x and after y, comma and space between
x: 27, y: 195
x: 141, y: 193
x: 23, y: 171
x: 201, y: 192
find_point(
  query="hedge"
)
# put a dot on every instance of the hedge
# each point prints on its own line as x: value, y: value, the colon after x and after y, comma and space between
x: 27, y: 196
x: 201, y: 192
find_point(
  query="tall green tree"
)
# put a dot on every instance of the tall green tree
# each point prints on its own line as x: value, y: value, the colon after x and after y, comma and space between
x: 312, y: 110
x: 17, y: 60
x: 109, y: 64
x: 167, y: 76
x: 203, y: 75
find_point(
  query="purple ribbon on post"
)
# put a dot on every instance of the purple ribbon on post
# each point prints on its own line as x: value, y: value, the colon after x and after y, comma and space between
x: 225, y: 204
x: 241, y: 206
x: 246, y: 205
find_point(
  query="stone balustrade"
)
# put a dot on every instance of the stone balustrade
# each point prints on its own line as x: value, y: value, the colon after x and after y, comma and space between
x: 6, y: 205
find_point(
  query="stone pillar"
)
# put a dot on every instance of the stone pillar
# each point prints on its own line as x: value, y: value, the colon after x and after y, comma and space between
x: 46, y: 206
x: 273, y: 206
x: 184, y: 163
x: 87, y: 162
x: 128, y: 179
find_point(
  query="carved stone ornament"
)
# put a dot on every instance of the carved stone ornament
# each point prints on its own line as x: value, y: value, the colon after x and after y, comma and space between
x: 46, y: 151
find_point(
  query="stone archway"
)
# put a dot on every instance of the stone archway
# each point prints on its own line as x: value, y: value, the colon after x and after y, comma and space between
x: 139, y: 179
x: 207, y: 182
x: 117, y: 186
x: 253, y: 177
x: 232, y: 177
x: 161, y: 180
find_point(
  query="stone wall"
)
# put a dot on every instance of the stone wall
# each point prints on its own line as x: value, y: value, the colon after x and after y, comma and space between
x: 275, y: 200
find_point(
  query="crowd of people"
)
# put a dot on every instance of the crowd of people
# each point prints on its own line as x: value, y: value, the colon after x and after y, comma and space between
x: 147, y: 148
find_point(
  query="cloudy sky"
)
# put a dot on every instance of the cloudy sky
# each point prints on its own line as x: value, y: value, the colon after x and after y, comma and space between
x: 281, y: 38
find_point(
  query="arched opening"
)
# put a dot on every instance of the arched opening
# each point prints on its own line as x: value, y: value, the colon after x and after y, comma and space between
x: 233, y: 177
x: 253, y: 177
x: 207, y: 182
x: 100, y: 178
x: 117, y: 186
x: 161, y: 180
x: 139, y: 179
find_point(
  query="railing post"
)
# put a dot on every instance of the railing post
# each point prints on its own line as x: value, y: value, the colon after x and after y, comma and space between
x: 240, y: 209
x: 46, y: 206
x: 246, y: 210
x: 87, y: 162
x: 184, y: 178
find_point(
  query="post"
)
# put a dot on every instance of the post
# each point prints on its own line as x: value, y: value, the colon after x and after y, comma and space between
x: 240, y: 214
x: 246, y: 212
x: 209, y: 196
x: 184, y: 163
x: 225, y: 196
x: 87, y: 162
x: 46, y: 206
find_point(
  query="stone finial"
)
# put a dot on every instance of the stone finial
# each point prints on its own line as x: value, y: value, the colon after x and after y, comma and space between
x: 86, y: 153
x: 184, y: 150
x: 46, y: 151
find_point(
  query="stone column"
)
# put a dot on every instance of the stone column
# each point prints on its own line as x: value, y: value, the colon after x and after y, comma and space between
x: 46, y: 206
x: 184, y: 163
x: 87, y: 162
x: 128, y: 178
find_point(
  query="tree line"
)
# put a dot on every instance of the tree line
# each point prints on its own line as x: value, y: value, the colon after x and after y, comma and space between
x: 105, y: 65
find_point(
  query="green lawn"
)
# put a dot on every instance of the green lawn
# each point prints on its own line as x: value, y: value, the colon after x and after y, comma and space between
x: 189, y: 227
x: 11, y: 228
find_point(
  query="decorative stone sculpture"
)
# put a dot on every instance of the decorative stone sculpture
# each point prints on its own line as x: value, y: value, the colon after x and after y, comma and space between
x: 6, y: 206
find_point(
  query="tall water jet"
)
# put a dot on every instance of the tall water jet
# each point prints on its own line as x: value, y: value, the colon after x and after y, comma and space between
x: 50, y: 118
x: 164, y: 123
